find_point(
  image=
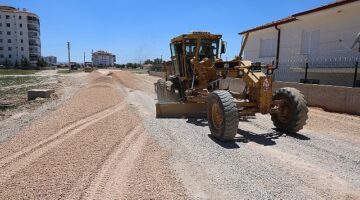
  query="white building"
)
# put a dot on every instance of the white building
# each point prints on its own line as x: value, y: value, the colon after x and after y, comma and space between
x: 51, y: 60
x: 19, y: 35
x: 321, y: 37
x: 103, y: 59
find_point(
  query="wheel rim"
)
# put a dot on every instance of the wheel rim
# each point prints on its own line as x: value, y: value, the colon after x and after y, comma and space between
x: 217, y: 116
x: 285, y: 112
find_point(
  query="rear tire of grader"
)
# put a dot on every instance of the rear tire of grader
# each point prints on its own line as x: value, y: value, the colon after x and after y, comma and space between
x: 294, y: 114
x: 222, y: 114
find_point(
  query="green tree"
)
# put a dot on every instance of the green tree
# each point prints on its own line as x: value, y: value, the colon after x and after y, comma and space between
x: 148, y: 61
x: 7, y: 63
x: 41, y: 63
x: 24, y: 63
x: 16, y: 65
x: 129, y: 65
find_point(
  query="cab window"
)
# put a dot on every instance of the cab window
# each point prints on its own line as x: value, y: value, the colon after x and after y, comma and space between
x: 208, y: 49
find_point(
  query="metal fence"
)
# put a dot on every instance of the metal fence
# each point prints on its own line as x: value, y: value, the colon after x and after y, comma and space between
x: 341, y: 71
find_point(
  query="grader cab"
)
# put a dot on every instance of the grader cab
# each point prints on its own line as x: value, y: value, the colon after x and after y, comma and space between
x: 199, y: 84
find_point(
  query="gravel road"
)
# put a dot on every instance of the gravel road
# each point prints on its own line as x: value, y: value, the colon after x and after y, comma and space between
x: 320, y: 162
x: 105, y: 143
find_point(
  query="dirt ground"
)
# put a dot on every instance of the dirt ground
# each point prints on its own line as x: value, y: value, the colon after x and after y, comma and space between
x: 103, y: 142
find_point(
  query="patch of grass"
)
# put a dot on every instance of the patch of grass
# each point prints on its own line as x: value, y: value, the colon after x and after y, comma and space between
x: 16, y: 72
x: 16, y: 80
x: 67, y: 71
x: 64, y: 71
x: 13, y: 89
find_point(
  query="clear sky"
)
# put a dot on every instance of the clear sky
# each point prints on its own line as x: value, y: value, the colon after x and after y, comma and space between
x: 135, y: 30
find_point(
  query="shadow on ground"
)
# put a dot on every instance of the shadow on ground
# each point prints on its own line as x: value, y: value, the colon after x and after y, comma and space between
x: 266, y: 139
x: 197, y: 122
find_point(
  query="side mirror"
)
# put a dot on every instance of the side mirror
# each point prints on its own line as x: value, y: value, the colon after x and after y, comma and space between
x: 223, y: 47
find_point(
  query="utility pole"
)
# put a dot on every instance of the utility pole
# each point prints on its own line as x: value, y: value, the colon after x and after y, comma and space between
x: 68, y: 46
x: 84, y: 58
x: 92, y: 57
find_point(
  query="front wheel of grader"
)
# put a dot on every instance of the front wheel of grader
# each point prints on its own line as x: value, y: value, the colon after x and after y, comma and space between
x: 292, y: 112
x: 222, y: 114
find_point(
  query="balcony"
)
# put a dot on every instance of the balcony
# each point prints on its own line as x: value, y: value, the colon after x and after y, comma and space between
x: 33, y: 35
x: 33, y: 20
x: 34, y: 57
x: 33, y: 27
x: 36, y: 44
x: 34, y: 50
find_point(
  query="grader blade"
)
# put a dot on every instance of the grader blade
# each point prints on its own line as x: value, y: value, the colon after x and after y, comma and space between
x: 180, y: 110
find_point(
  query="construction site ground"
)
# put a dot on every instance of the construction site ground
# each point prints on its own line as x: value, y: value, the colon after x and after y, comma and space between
x: 99, y: 139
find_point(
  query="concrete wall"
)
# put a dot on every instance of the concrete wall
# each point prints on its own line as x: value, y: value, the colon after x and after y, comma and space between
x: 332, y: 98
x: 159, y: 74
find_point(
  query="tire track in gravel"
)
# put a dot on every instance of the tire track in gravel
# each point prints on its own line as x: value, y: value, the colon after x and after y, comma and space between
x: 15, y: 162
x: 322, y: 180
x: 111, y: 179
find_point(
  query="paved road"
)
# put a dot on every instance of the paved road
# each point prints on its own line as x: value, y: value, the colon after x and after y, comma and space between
x: 105, y: 143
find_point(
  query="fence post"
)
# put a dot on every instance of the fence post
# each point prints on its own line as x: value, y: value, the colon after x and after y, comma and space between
x: 306, y: 72
x: 355, y: 74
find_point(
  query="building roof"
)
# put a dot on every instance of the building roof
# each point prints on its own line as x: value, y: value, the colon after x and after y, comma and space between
x: 10, y: 9
x: 102, y: 53
x: 293, y: 17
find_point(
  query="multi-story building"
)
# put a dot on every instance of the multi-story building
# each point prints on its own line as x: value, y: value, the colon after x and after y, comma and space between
x: 51, y: 60
x: 103, y: 59
x: 19, y: 36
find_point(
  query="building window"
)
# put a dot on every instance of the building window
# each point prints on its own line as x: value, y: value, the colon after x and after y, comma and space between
x: 0, y: 24
x: 9, y: 40
x: 21, y: 33
x: 19, y: 17
x: 20, y: 25
x: 22, y: 48
x: 267, y: 47
x: 7, y: 24
x: 1, y: 40
x: 22, y: 41
x: 9, y: 55
x: 8, y: 32
x: 9, y: 48
x: 310, y: 42
x: 1, y: 48
x: 1, y: 55
x: 7, y: 16
x: 0, y: 32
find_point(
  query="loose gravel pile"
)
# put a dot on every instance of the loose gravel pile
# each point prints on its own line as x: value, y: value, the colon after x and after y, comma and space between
x: 92, y: 147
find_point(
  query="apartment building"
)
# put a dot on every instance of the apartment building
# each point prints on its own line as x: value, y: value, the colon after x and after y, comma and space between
x: 19, y: 36
x: 51, y: 60
x: 103, y: 59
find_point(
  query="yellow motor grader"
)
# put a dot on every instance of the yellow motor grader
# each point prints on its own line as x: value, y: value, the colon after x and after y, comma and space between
x: 199, y: 84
